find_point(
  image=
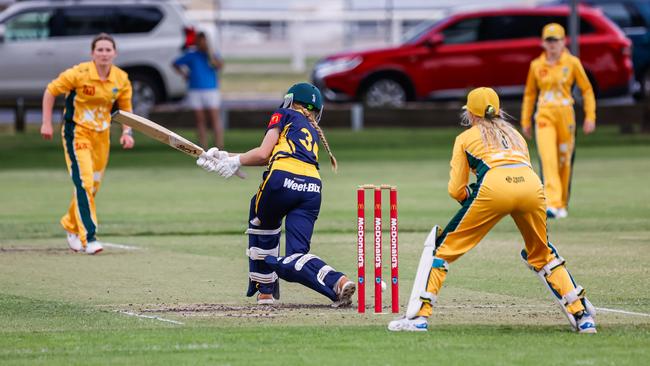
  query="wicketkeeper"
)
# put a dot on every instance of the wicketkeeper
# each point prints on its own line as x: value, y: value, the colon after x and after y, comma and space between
x: 290, y: 190
x: 505, y: 185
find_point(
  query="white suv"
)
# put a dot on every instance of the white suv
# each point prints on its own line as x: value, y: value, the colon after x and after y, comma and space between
x: 39, y: 39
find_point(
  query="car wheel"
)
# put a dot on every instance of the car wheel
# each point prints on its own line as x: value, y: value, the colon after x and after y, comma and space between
x: 385, y: 93
x: 146, y: 93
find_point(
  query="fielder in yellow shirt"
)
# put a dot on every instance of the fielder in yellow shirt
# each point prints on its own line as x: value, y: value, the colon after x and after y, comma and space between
x: 92, y: 89
x: 550, y: 79
x: 505, y: 185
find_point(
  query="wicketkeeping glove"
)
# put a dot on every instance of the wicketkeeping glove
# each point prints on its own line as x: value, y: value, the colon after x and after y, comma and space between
x: 470, y: 191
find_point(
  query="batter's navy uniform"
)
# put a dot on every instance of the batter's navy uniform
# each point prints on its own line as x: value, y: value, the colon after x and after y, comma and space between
x: 291, y: 189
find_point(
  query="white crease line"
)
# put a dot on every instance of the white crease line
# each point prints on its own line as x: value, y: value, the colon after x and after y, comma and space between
x: 151, y: 317
x: 621, y: 312
x: 120, y: 246
x: 605, y: 310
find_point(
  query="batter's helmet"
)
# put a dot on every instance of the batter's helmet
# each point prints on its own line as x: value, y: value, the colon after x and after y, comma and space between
x: 306, y: 94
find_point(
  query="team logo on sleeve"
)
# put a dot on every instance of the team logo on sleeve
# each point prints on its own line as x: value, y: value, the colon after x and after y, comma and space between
x: 275, y: 119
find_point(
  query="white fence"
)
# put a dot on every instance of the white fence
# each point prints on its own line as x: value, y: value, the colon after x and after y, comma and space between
x: 305, y: 29
x: 297, y: 35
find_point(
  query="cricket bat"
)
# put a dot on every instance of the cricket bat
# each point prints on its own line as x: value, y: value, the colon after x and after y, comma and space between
x: 161, y: 134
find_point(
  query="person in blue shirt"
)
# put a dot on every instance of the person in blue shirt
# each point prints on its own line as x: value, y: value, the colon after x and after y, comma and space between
x: 200, y: 67
x: 290, y: 190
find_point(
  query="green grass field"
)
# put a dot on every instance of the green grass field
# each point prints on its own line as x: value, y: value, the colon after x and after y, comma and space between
x: 184, y: 264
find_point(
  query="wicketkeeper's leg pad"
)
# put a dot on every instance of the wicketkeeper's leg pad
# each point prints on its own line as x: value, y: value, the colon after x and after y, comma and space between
x: 568, y: 295
x: 428, y: 261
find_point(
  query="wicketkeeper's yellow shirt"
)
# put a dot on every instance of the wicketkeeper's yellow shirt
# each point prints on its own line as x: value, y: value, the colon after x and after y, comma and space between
x: 552, y: 84
x: 89, y: 100
x: 470, y: 153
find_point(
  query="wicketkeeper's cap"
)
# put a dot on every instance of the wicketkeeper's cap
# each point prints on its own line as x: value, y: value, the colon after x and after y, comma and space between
x: 483, y: 102
x: 553, y: 31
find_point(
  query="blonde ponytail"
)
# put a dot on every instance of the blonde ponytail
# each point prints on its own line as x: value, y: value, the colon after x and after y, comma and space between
x: 496, y: 132
x: 312, y: 120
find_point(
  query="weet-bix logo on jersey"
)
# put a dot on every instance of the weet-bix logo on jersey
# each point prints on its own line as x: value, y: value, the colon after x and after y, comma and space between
x: 301, y: 187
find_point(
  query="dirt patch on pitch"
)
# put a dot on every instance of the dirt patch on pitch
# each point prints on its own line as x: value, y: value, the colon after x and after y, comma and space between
x: 486, y: 311
x: 235, y: 311
x: 451, y: 312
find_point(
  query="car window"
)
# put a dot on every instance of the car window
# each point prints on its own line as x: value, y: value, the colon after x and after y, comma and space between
x: 91, y: 20
x: 510, y: 27
x: 137, y: 19
x: 585, y: 26
x: 417, y: 31
x: 28, y: 26
x: 505, y: 27
x: 464, y: 31
x: 82, y: 21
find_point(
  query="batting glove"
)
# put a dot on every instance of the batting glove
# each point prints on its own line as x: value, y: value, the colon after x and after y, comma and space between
x: 229, y: 166
x: 217, y: 154
x: 206, y: 162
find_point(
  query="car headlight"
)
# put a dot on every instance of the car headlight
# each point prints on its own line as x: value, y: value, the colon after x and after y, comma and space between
x: 335, y: 66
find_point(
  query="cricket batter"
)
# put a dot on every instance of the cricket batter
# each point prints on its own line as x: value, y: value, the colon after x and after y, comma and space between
x: 550, y: 79
x: 505, y: 185
x: 290, y: 190
x: 92, y: 90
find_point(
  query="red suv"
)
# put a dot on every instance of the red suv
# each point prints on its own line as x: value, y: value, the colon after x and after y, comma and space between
x: 492, y: 48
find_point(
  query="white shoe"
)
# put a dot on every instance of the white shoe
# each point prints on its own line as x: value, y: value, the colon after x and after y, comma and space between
x: 74, y: 242
x: 344, y: 289
x: 417, y: 324
x: 265, y: 299
x: 561, y: 213
x: 586, y: 324
x: 551, y: 212
x: 94, y: 247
